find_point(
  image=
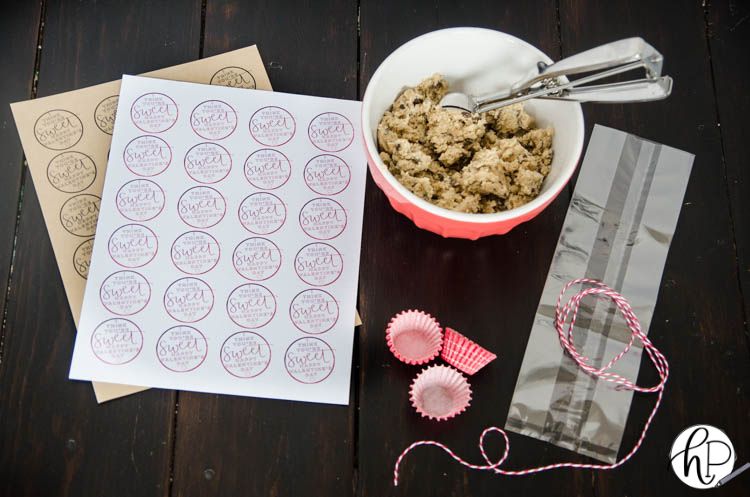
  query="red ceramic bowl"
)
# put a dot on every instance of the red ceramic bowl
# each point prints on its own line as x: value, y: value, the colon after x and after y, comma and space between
x: 474, y: 61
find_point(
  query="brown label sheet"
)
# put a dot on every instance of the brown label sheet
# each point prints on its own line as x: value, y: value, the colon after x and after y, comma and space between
x: 66, y: 139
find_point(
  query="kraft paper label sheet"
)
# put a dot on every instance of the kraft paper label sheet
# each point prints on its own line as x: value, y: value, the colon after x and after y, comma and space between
x: 227, y: 251
x: 66, y: 139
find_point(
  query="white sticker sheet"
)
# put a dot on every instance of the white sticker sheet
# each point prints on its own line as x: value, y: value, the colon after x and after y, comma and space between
x: 227, y: 249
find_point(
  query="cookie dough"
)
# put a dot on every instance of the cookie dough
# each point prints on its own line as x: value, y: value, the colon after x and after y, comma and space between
x: 477, y: 163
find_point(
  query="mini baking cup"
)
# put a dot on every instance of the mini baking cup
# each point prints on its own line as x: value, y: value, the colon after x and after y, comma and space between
x: 414, y: 337
x: 464, y: 354
x: 440, y: 392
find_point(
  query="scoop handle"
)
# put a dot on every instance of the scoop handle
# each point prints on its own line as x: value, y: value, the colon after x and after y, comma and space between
x: 642, y: 90
x: 617, y: 53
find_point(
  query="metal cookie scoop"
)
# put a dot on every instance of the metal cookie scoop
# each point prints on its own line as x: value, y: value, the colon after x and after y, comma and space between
x: 613, y: 58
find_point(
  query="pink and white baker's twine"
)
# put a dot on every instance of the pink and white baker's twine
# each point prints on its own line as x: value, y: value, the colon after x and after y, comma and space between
x: 562, y: 312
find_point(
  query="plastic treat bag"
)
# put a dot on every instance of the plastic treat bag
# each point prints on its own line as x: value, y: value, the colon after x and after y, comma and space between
x: 618, y: 229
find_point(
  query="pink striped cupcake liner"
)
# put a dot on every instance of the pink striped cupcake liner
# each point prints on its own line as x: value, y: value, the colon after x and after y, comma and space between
x: 414, y: 337
x: 464, y: 354
x: 440, y: 393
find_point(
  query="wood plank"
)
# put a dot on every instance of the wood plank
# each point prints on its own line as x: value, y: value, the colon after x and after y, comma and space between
x: 488, y: 288
x: 55, y: 439
x: 729, y: 37
x: 698, y: 321
x: 244, y: 446
x: 18, y: 32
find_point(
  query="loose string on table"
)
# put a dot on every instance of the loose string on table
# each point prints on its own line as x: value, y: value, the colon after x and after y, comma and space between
x: 563, y: 314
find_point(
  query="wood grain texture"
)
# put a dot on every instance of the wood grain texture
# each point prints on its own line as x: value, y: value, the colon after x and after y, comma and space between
x: 259, y: 447
x: 55, y: 439
x: 19, y: 31
x: 488, y: 289
x: 308, y: 47
x: 729, y: 36
x: 698, y: 320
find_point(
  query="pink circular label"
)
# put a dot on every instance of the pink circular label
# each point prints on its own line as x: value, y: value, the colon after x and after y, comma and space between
x: 309, y: 360
x: 154, y: 112
x: 331, y: 132
x: 58, y: 129
x: 272, y: 126
x: 71, y: 172
x: 195, y: 252
x: 251, y: 306
x: 257, y: 259
x: 181, y: 349
x: 318, y: 264
x: 133, y: 245
x: 125, y: 293
x: 208, y: 163
x: 322, y: 218
x: 245, y: 354
x: 140, y: 200
x: 267, y: 169
x: 189, y: 300
x: 213, y: 120
x: 327, y: 175
x: 117, y: 341
x: 201, y: 207
x: 314, y: 311
x: 79, y: 214
x: 82, y: 258
x: 262, y: 213
x: 147, y: 156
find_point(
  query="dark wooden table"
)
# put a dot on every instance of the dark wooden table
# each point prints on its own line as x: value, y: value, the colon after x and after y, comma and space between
x: 56, y: 441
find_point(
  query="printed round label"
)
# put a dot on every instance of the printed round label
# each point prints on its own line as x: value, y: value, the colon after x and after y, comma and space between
x: 125, y: 293
x: 105, y: 113
x: 267, y: 169
x: 309, y: 360
x: 58, y: 129
x: 272, y: 126
x: 257, y: 259
x: 140, y: 200
x: 318, y: 264
x: 154, y: 112
x: 117, y: 341
x: 201, y: 207
x: 133, y: 245
x: 79, y: 214
x: 251, y: 306
x: 147, y: 156
x: 314, y: 311
x: 189, y: 300
x: 195, y: 252
x: 331, y: 132
x: 181, y: 349
x: 82, y: 258
x: 71, y: 172
x: 327, y: 175
x: 322, y: 218
x: 262, y: 213
x: 245, y: 354
x: 213, y: 120
x: 208, y: 163
x: 234, y: 77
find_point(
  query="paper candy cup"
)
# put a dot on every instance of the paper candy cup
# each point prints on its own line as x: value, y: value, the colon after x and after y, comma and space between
x: 440, y: 392
x: 463, y: 354
x: 414, y: 337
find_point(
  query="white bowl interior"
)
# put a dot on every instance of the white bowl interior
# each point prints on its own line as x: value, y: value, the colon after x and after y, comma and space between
x: 474, y: 61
